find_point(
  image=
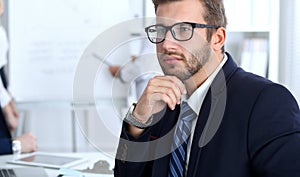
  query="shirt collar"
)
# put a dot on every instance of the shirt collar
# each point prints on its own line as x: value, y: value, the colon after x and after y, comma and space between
x: 196, y: 99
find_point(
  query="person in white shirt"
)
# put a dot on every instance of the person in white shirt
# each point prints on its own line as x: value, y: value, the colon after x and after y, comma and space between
x: 6, y: 100
x: 9, y: 113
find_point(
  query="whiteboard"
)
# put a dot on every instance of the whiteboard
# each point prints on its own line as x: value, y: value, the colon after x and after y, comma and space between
x: 48, y: 38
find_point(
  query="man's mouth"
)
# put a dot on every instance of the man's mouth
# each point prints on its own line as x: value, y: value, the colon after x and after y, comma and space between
x: 172, y: 59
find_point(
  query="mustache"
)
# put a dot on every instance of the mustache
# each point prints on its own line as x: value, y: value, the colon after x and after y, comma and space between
x: 166, y: 53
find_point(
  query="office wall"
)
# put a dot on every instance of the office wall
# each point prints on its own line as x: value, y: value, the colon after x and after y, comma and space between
x: 290, y: 46
x: 47, y: 41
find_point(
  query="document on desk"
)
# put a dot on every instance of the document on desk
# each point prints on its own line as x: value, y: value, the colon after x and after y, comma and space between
x: 47, y: 160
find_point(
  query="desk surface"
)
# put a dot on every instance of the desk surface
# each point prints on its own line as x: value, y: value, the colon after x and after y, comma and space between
x: 91, y: 157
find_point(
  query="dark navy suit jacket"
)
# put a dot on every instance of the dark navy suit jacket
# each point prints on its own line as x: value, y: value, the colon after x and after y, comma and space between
x: 258, y: 134
x: 5, y: 136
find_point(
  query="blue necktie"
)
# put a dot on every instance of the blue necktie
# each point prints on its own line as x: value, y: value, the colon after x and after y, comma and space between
x: 181, y: 138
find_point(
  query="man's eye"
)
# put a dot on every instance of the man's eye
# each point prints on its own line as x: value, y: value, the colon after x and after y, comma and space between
x: 152, y: 30
x: 185, y: 29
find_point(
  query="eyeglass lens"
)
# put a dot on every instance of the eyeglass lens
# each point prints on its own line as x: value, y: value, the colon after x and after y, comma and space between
x: 180, y: 31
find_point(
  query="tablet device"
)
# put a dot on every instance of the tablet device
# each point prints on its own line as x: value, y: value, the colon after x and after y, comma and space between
x: 48, y: 160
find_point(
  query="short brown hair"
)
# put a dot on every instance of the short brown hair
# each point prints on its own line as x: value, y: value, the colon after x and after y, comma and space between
x: 214, y: 13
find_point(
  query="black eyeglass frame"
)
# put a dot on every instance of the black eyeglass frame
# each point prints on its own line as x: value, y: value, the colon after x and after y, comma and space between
x: 168, y: 28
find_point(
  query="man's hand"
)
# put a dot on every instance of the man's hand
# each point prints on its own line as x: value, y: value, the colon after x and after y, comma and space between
x: 28, y: 143
x: 160, y: 91
x: 11, y: 115
x: 114, y: 70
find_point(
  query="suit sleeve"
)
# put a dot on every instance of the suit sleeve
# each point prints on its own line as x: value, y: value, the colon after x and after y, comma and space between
x: 131, y: 154
x: 136, y: 156
x: 274, y: 134
x: 5, y: 146
x: 5, y: 137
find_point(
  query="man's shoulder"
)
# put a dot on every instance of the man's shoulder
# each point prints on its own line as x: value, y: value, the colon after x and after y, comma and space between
x: 249, y: 80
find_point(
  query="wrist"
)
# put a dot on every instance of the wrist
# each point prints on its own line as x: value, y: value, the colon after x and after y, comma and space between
x: 137, y: 122
x: 142, y: 119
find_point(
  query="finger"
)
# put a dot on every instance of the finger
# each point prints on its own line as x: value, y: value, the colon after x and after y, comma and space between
x: 164, y: 98
x: 169, y: 102
x: 170, y: 82
x: 175, y: 82
x: 171, y: 97
x: 178, y: 83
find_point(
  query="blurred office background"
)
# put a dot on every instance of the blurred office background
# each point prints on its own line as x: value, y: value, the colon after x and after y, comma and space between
x: 49, y: 38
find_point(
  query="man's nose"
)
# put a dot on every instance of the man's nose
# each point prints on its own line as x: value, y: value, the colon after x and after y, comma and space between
x: 169, y: 43
x: 169, y: 36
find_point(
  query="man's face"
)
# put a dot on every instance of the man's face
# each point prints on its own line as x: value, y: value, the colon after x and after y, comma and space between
x: 182, y: 58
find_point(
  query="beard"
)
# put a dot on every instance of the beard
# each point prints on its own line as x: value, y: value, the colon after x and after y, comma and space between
x: 193, y: 63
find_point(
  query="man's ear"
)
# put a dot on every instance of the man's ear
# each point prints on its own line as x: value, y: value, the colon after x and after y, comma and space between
x: 218, y: 39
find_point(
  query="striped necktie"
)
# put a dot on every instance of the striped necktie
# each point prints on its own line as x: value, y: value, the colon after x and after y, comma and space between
x: 181, y: 138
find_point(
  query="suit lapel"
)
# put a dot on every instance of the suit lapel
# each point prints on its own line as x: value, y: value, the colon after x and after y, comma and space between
x: 217, y: 108
x: 211, y: 115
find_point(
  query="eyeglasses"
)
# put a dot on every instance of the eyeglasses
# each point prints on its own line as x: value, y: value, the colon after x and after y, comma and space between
x: 182, y: 31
